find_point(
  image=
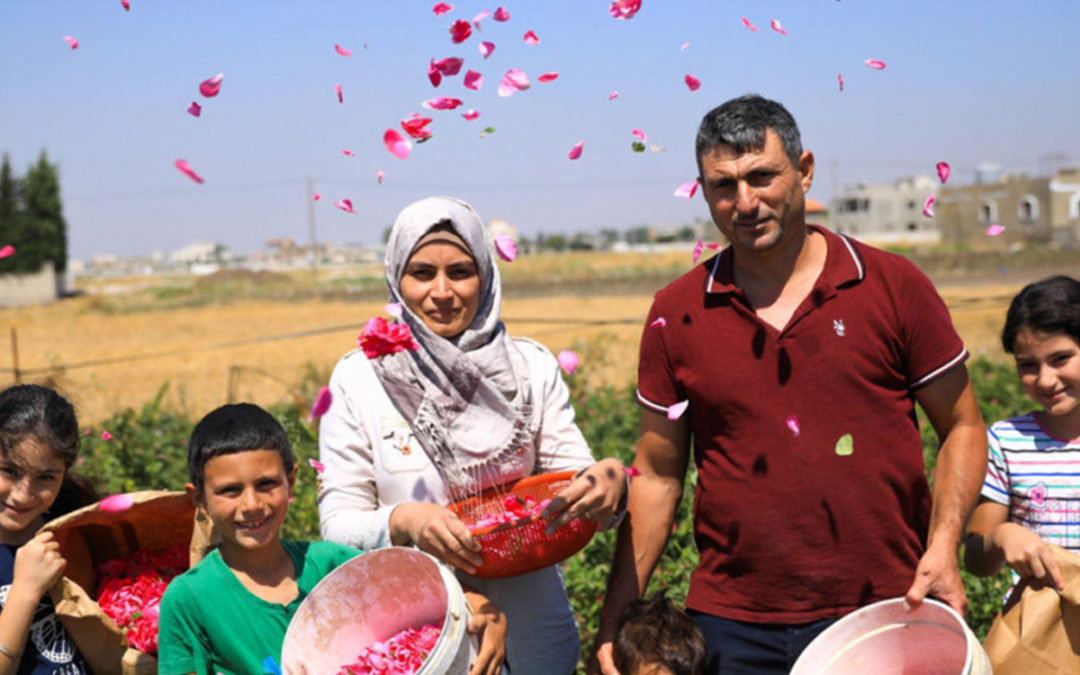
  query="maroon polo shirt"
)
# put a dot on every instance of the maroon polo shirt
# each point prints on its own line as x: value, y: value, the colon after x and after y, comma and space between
x: 811, y: 498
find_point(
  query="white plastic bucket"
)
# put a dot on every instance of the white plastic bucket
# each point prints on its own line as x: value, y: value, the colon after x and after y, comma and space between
x: 887, y: 639
x: 371, y: 598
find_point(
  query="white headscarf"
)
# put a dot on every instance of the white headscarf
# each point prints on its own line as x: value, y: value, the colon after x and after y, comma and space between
x: 466, y: 398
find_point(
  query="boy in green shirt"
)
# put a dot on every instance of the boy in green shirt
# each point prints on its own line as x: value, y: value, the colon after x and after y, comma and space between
x: 229, y: 613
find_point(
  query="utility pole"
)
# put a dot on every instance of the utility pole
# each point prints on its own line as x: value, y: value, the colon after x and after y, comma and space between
x: 312, y: 252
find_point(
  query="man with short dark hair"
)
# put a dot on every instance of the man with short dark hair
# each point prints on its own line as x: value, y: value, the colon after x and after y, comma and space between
x: 801, y: 354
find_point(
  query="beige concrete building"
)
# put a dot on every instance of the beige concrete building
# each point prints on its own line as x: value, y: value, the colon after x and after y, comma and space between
x: 886, y: 214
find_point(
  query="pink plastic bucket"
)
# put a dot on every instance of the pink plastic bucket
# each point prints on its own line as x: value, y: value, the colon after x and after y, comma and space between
x: 371, y: 598
x: 887, y: 639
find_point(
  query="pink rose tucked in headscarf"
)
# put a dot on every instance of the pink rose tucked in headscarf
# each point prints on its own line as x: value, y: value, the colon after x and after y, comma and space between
x: 381, y: 337
x: 624, y: 9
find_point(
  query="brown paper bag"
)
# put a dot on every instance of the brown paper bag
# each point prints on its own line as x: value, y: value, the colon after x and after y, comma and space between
x: 1038, y: 631
x: 157, y: 520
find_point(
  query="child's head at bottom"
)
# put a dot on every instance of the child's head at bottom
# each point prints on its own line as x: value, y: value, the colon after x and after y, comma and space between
x: 657, y: 638
x: 242, y: 471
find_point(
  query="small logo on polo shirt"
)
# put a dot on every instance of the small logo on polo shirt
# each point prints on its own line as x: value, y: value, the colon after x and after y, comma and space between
x: 838, y: 326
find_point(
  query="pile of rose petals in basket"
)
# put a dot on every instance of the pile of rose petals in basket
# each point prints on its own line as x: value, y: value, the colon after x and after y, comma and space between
x: 130, y: 591
x: 515, y: 509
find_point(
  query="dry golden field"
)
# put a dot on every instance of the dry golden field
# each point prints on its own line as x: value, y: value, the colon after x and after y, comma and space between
x: 195, y: 347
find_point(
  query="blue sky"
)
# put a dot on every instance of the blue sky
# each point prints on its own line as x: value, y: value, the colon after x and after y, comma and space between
x: 966, y: 82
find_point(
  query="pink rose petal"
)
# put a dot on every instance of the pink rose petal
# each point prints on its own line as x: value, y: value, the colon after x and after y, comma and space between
x: 116, y: 503
x: 379, y: 175
x: 480, y: 17
x: 470, y: 114
x: 746, y: 22
x: 316, y: 197
x: 840, y: 81
x: 792, y: 423
x: 348, y: 153
x: 194, y: 109
x: 317, y: 465
x: 995, y: 230
x: 631, y: 471
x: 442, y: 8
x: 640, y: 134
x: 568, y: 361
x: 513, y: 81
x: 575, y: 152
x: 186, y: 169
x: 676, y: 411
x: 698, y: 248
x: 486, y: 48
x: 345, y: 205
x: 72, y: 42
x: 210, y: 88
x: 660, y: 322
x: 434, y: 74
x: 775, y: 23
x: 712, y: 246
x: 624, y: 9
x: 505, y: 247
x: 928, y: 207
x: 501, y: 14
x: 531, y: 39
x: 341, y: 50
x: 398, y: 145
x: 460, y: 31
x: 416, y: 126
x: 613, y: 95
x: 548, y: 77
x: 7, y: 251
x: 449, y: 66
x: 687, y: 190
x: 876, y: 64
x: 106, y: 436
x: 322, y: 403
x: 473, y: 80
x: 337, y: 88
x: 441, y: 103
x: 692, y: 83
x: 394, y: 309
x: 683, y: 46
x: 943, y: 171
x: 126, y: 4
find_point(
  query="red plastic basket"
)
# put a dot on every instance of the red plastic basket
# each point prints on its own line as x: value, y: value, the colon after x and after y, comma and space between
x: 520, y: 547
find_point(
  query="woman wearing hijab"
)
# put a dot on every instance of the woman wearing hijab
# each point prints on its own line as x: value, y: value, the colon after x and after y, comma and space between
x: 471, y: 408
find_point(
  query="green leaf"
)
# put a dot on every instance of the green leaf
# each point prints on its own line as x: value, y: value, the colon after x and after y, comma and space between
x: 486, y: 131
x: 637, y: 146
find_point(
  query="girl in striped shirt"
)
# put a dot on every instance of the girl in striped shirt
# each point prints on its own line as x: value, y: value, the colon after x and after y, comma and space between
x: 1031, y: 497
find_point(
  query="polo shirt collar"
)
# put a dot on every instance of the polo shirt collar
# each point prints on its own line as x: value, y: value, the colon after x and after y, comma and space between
x: 844, y: 264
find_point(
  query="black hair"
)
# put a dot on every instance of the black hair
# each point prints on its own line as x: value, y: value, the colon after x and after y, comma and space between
x: 1048, y: 306
x: 654, y: 632
x: 33, y: 411
x: 237, y: 427
x: 741, y: 124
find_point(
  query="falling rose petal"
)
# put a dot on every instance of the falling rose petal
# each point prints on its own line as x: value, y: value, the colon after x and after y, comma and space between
x: 394, y: 309
x: 317, y: 465
x: 501, y: 14
x: 840, y: 80
x: 416, y: 125
x: 434, y: 74
x: 116, y: 503
x: 72, y: 42
x: 692, y: 83
x: 660, y: 322
x: 775, y: 23
x: 322, y: 403
x: 7, y: 251
x: 676, y: 411
x: 194, y: 109
x: 486, y: 48
x: 341, y: 50
x: 212, y: 87
x: 480, y: 17
x: 106, y: 436
x: 441, y: 103
x: 340, y: 98
x: 631, y: 471
x: 449, y: 66
x: 943, y: 171
x: 698, y: 248
x: 442, y: 8
x: 712, y: 246
x: 473, y: 80
x: 470, y: 114
x: 548, y: 77
x: 624, y: 9
x: 379, y: 175
x: 126, y: 4
x: 687, y: 190
x: 531, y: 39
x: 568, y: 361
x: 876, y: 64
x: 348, y: 153
x: 345, y: 205
x: 995, y: 230
x: 505, y: 247
x: 928, y: 207
x: 683, y: 46
x: 613, y: 95
x: 640, y: 134
x: 792, y: 423
x: 398, y: 146
x: 575, y: 152
x: 186, y: 169
x: 746, y: 22
x: 460, y: 31
x: 513, y: 81
x: 316, y: 197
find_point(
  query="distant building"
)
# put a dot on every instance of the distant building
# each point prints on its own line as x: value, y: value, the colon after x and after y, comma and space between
x: 31, y: 288
x: 886, y: 214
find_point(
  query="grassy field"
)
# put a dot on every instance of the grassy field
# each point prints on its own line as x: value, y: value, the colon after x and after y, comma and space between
x: 114, y: 346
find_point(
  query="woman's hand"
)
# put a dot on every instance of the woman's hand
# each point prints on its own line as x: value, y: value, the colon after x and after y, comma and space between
x: 38, y: 564
x: 1027, y: 553
x: 436, y: 530
x: 595, y: 494
x: 489, y: 623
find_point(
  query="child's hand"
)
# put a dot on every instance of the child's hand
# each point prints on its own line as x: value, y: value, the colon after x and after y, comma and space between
x: 38, y: 564
x: 489, y: 623
x: 1028, y: 554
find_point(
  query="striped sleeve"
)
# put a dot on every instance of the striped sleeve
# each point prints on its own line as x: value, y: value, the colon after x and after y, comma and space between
x: 996, y: 486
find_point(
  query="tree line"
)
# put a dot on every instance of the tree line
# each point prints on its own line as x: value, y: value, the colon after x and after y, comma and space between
x: 32, y: 217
